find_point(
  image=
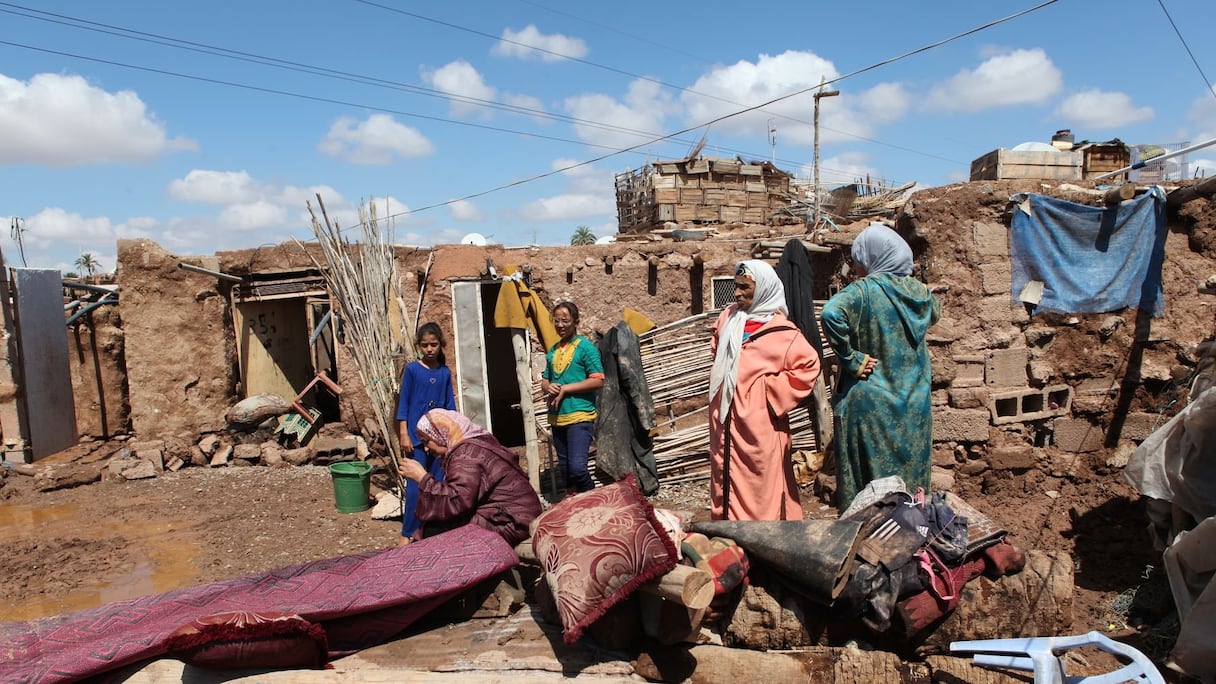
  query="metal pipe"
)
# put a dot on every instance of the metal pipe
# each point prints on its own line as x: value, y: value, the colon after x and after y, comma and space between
x: 1160, y: 157
x: 99, y: 303
x: 91, y: 288
x: 217, y: 274
x: 312, y: 339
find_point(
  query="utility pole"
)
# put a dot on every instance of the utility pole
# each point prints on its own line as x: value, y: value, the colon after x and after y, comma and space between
x: 821, y: 93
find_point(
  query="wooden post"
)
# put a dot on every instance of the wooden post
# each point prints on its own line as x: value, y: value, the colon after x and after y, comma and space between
x: 823, y: 413
x: 821, y: 93
x: 688, y: 586
x: 523, y: 375
x: 1121, y: 193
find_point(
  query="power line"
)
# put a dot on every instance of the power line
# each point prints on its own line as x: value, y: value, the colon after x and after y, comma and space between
x: 207, y: 49
x: 623, y: 72
x: 553, y: 172
x: 1187, y: 48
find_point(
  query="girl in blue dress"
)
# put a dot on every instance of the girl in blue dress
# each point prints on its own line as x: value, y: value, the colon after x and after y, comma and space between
x: 425, y: 385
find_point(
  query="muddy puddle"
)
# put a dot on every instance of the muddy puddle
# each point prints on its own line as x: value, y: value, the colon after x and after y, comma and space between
x: 140, y: 557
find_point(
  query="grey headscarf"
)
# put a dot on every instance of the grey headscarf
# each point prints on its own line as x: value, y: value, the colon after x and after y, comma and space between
x: 768, y: 300
x: 878, y: 249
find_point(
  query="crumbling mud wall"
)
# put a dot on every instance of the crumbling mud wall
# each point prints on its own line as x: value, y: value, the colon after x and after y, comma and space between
x: 179, y: 341
x: 1006, y: 383
x: 96, y: 360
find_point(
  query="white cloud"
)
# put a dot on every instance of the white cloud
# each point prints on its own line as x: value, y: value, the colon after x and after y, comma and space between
x: 1203, y: 112
x: 214, y: 187
x: 460, y: 79
x: 568, y: 206
x: 1013, y: 78
x: 464, y: 210
x: 1095, y: 108
x: 724, y: 90
x: 642, y: 111
x: 1205, y: 167
x: 840, y: 169
x: 530, y: 103
x: 63, y: 231
x: 252, y: 216
x: 62, y: 120
x: 377, y: 140
x: 556, y: 45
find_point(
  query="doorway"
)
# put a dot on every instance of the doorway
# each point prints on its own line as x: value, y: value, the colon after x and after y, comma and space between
x: 487, y: 383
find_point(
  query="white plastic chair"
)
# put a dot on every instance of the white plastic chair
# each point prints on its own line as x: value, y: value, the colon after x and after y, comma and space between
x: 1039, y: 654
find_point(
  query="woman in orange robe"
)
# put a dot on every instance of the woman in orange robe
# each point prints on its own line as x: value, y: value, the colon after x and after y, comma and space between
x: 763, y: 368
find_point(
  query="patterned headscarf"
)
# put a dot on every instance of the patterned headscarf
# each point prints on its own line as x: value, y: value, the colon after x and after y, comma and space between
x: 878, y: 249
x: 447, y: 428
x: 769, y: 299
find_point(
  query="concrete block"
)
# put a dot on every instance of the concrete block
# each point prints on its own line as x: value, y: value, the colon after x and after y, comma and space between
x: 995, y: 311
x: 1076, y: 435
x: 1027, y: 404
x: 990, y: 239
x: 1138, y: 426
x: 1095, y: 395
x: 939, y: 397
x: 960, y: 425
x: 1006, y: 367
x: 997, y: 279
x: 969, y: 371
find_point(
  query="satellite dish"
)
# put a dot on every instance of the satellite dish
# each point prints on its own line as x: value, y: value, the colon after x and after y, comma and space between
x: 605, y: 240
x: 474, y: 239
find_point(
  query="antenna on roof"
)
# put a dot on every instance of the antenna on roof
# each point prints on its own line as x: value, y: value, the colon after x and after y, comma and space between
x: 772, y: 139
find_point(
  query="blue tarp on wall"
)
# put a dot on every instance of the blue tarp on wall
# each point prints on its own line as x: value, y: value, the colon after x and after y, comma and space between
x: 1090, y: 259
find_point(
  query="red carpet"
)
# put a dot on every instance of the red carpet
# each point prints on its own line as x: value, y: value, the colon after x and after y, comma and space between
x: 361, y: 600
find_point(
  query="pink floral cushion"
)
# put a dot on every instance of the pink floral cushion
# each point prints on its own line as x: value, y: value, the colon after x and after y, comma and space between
x: 250, y: 640
x: 597, y: 548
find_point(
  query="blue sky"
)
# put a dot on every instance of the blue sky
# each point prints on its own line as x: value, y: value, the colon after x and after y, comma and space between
x: 417, y: 104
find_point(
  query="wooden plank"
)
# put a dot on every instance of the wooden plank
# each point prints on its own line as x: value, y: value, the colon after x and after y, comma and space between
x: 657, y: 181
x: 731, y: 214
x: 751, y: 170
x: 717, y: 197
x: 666, y: 195
x: 736, y: 198
x: 691, y: 196
x: 697, y: 166
x: 726, y: 165
x: 1001, y: 164
x: 684, y: 212
x: 667, y: 212
x: 757, y: 199
x: 708, y: 213
x: 754, y: 186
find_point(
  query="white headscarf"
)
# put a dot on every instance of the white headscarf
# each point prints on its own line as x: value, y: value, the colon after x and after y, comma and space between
x: 769, y: 299
x: 881, y: 250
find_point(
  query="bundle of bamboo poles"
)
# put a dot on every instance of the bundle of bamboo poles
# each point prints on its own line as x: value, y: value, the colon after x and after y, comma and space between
x: 362, y: 281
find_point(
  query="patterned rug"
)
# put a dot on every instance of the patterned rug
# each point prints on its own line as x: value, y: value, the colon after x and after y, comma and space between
x: 361, y: 600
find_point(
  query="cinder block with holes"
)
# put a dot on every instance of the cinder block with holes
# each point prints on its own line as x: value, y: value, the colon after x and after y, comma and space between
x: 1027, y: 404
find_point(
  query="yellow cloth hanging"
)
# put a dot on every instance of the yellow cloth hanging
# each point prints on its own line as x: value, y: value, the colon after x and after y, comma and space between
x: 519, y: 307
x: 637, y: 321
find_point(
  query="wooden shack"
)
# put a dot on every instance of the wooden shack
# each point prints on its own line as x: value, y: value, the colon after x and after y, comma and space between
x: 1006, y: 164
x: 1101, y: 158
x: 701, y: 189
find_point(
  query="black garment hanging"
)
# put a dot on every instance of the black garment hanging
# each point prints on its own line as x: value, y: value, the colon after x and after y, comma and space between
x: 794, y: 271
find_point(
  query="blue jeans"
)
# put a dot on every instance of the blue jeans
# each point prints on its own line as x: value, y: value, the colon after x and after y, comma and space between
x: 409, y: 517
x: 572, y: 443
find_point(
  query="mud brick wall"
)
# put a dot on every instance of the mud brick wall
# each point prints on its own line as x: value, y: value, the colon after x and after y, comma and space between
x: 97, y: 364
x: 179, y: 341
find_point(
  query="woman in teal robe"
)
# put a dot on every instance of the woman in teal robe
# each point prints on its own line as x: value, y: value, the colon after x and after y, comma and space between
x: 877, y: 327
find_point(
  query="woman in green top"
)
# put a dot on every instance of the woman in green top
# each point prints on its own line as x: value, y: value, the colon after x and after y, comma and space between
x: 573, y: 373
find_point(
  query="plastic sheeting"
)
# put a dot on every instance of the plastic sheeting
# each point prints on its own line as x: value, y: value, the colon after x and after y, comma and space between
x: 1176, y: 464
x: 1191, y: 565
x: 1090, y: 259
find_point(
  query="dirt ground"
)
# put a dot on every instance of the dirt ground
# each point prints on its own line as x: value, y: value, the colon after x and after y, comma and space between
x: 78, y: 547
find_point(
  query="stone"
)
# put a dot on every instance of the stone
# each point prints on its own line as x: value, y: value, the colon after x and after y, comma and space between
x: 941, y: 480
x: 361, y: 449
x: 939, y: 397
x: 272, y: 454
x: 197, y: 457
x: 208, y: 444
x: 1041, y: 371
x: 1109, y: 325
x: 298, y: 457
x: 942, y: 458
x: 1012, y: 457
x: 174, y: 464
x: 221, y: 456
x: 968, y: 397
x: 138, y: 469
x: 388, y: 506
x: 247, y: 452
x: 1121, y: 455
x: 1039, y: 336
x: 969, y: 371
x: 973, y: 468
x: 1137, y: 426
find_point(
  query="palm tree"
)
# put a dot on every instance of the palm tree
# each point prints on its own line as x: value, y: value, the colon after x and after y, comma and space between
x: 582, y: 236
x: 88, y: 264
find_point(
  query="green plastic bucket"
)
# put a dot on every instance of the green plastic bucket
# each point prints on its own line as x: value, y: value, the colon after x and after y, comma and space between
x: 352, y: 485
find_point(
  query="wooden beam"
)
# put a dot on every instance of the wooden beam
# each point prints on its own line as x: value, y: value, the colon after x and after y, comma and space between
x: 685, y: 585
x: 1179, y: 197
